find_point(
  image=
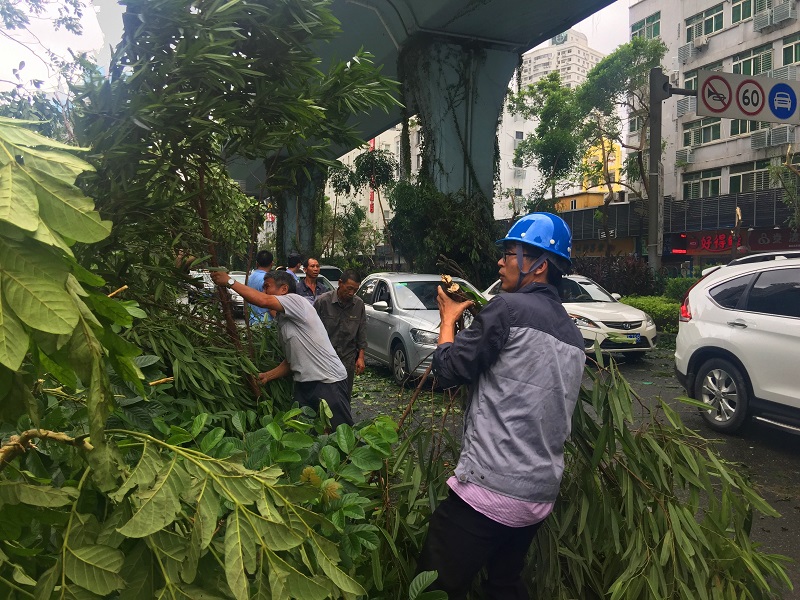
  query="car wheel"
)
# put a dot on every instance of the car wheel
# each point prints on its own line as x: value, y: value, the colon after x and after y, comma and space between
x: 400, y: 368
x: 721, y: 386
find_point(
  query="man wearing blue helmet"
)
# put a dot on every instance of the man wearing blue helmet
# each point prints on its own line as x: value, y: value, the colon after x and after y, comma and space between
x: 523, y: 358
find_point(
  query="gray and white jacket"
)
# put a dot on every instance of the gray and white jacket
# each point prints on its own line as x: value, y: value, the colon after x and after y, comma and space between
x: 524, y: 359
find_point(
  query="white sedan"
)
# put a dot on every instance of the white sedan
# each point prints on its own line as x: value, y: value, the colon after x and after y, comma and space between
x: 615, y: 326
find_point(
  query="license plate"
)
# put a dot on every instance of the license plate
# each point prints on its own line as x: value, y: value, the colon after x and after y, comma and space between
x: 634, y: 336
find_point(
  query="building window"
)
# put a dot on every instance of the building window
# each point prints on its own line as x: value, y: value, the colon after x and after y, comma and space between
x: 741, y: 127
x: 573, y: 204
x: 648, y: 28
x: 518, y: 192
x: 753, y: 62
x: 749, y: 176
x: 704, y: 23
x: 635, y: 123
x: 741, y: 10
x: 690, y: 77
x: 701, y: 131
x: 791, y: 49
x: 701, y: 184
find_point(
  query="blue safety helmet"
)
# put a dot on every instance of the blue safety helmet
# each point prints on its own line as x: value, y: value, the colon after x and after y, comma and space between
x: 542, y: 230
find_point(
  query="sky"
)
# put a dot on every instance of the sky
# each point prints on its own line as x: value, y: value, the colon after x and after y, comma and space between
x: 102, y: 27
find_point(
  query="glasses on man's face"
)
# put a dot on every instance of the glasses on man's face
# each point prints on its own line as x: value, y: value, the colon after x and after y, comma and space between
x: 504, y: 256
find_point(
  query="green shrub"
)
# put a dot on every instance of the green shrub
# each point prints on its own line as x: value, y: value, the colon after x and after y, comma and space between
x: 677, y: 287
x: 665, y: 311
x: 623, y: 275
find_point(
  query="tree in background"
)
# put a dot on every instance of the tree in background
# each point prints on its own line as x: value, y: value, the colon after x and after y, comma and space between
x: 619, y: 85
x: 556, y: 145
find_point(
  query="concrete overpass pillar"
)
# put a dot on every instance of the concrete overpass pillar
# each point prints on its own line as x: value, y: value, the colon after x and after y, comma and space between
x: 297, y: 214
x: 458, y: 91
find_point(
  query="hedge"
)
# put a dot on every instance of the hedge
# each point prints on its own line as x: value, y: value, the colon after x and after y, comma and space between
x: 665, y: 311
x: 677, y: 287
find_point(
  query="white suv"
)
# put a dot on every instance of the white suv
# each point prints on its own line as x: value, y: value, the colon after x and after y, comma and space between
x: 738, y: 345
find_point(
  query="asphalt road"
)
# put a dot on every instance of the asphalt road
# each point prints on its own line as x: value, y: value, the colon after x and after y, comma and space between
x: 770, y: 457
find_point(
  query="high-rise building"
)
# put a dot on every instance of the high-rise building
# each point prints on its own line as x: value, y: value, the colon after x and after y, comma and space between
x: 712, y: 165
x: 568, y: 54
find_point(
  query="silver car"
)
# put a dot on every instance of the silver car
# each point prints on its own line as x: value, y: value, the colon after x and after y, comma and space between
x: 403, y: 320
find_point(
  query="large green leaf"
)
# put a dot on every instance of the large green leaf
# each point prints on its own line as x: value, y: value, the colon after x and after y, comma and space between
x: 157, y: 507
x: 291, y: 582
x: 12, y: 133
x: 205, y: 523
x: 61, y: 165
x: 66, y: 209
x: 327, y: 556
x: 34, y: 288
x: 240, y: 553
x: 95, y: 568
x: 13, y: 339
x: 15, y: 492
x: 18, y: 202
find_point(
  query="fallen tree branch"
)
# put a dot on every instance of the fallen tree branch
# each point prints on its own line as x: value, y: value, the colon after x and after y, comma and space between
x: 20, y: 444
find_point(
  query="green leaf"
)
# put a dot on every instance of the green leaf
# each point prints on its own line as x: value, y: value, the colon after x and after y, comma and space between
x: 205, y: 523
x: 47, y: 582
x: 212, y: 439
x: 198, y: 423
x: 35, y: 290
x: 66, y: 209
x: 18, y: 203
x: 95, y: 568
x: 328, y: 556
x: 240, y: 554
x: 157, y: 507
x: 16, y: 492
x: 345, y: 438
x: 420, y: 582
x: 366, y: 458
x: 329, y: 457
x: 143, y: 474
x: 13, y: 339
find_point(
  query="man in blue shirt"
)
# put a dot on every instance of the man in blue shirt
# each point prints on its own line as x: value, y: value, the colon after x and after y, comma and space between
x: 255, y: 280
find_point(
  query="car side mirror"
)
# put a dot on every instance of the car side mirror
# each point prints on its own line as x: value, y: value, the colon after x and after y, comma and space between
x: 616, y: 296
x: 381, y: 306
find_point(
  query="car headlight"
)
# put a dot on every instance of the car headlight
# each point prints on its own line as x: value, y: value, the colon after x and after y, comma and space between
x: 583, y: 321
x: 648, y: 320
x: 420, y: 336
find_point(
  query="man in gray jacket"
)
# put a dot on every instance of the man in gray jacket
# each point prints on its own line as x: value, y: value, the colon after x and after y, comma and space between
x: 523, y: 358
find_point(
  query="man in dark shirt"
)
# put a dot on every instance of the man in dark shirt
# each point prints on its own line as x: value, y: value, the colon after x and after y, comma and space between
x: 309, y: 287
x: 343, y: 315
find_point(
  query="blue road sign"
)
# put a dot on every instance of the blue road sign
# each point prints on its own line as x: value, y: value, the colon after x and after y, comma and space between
x: 782, y: 101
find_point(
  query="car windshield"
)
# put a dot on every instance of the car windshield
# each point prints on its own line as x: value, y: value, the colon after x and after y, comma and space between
x: 583, y: 290
x: 420, y: 295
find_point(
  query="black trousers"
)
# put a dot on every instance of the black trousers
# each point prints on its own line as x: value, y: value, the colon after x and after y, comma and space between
x: 461, y: 541
x: 308, y: 393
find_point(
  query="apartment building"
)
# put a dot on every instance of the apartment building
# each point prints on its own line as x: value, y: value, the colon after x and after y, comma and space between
x: 713, y: 165
x: 569, y: 54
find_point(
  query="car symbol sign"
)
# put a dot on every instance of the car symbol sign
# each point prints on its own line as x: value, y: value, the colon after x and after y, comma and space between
x: 782, y: 101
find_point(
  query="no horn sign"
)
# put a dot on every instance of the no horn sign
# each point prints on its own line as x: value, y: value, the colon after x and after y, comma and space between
x: 755, y: 98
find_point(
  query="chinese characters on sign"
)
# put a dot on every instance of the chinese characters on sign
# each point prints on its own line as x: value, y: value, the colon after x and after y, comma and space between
x: 720, y: 241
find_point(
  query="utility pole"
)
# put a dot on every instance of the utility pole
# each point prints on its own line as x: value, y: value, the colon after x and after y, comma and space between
x: 660, y: 90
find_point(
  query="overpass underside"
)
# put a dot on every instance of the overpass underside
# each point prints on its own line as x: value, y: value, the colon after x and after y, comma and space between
x: 455, y: 59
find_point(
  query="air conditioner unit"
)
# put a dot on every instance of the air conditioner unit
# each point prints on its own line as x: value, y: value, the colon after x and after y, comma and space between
x: 687, y: 106
x: 788, y: 72
x: 784, y: 12
x: 519, y: 173
x: 686, y: 53
x: 675, y: 77
x: 700, y: 42
x: 762, y: 20
x: 759, y: 139
x: 685, y: 156
x: 782, y: 134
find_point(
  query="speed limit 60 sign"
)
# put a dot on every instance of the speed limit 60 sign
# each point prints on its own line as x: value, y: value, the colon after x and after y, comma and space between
x: 747, y: 97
